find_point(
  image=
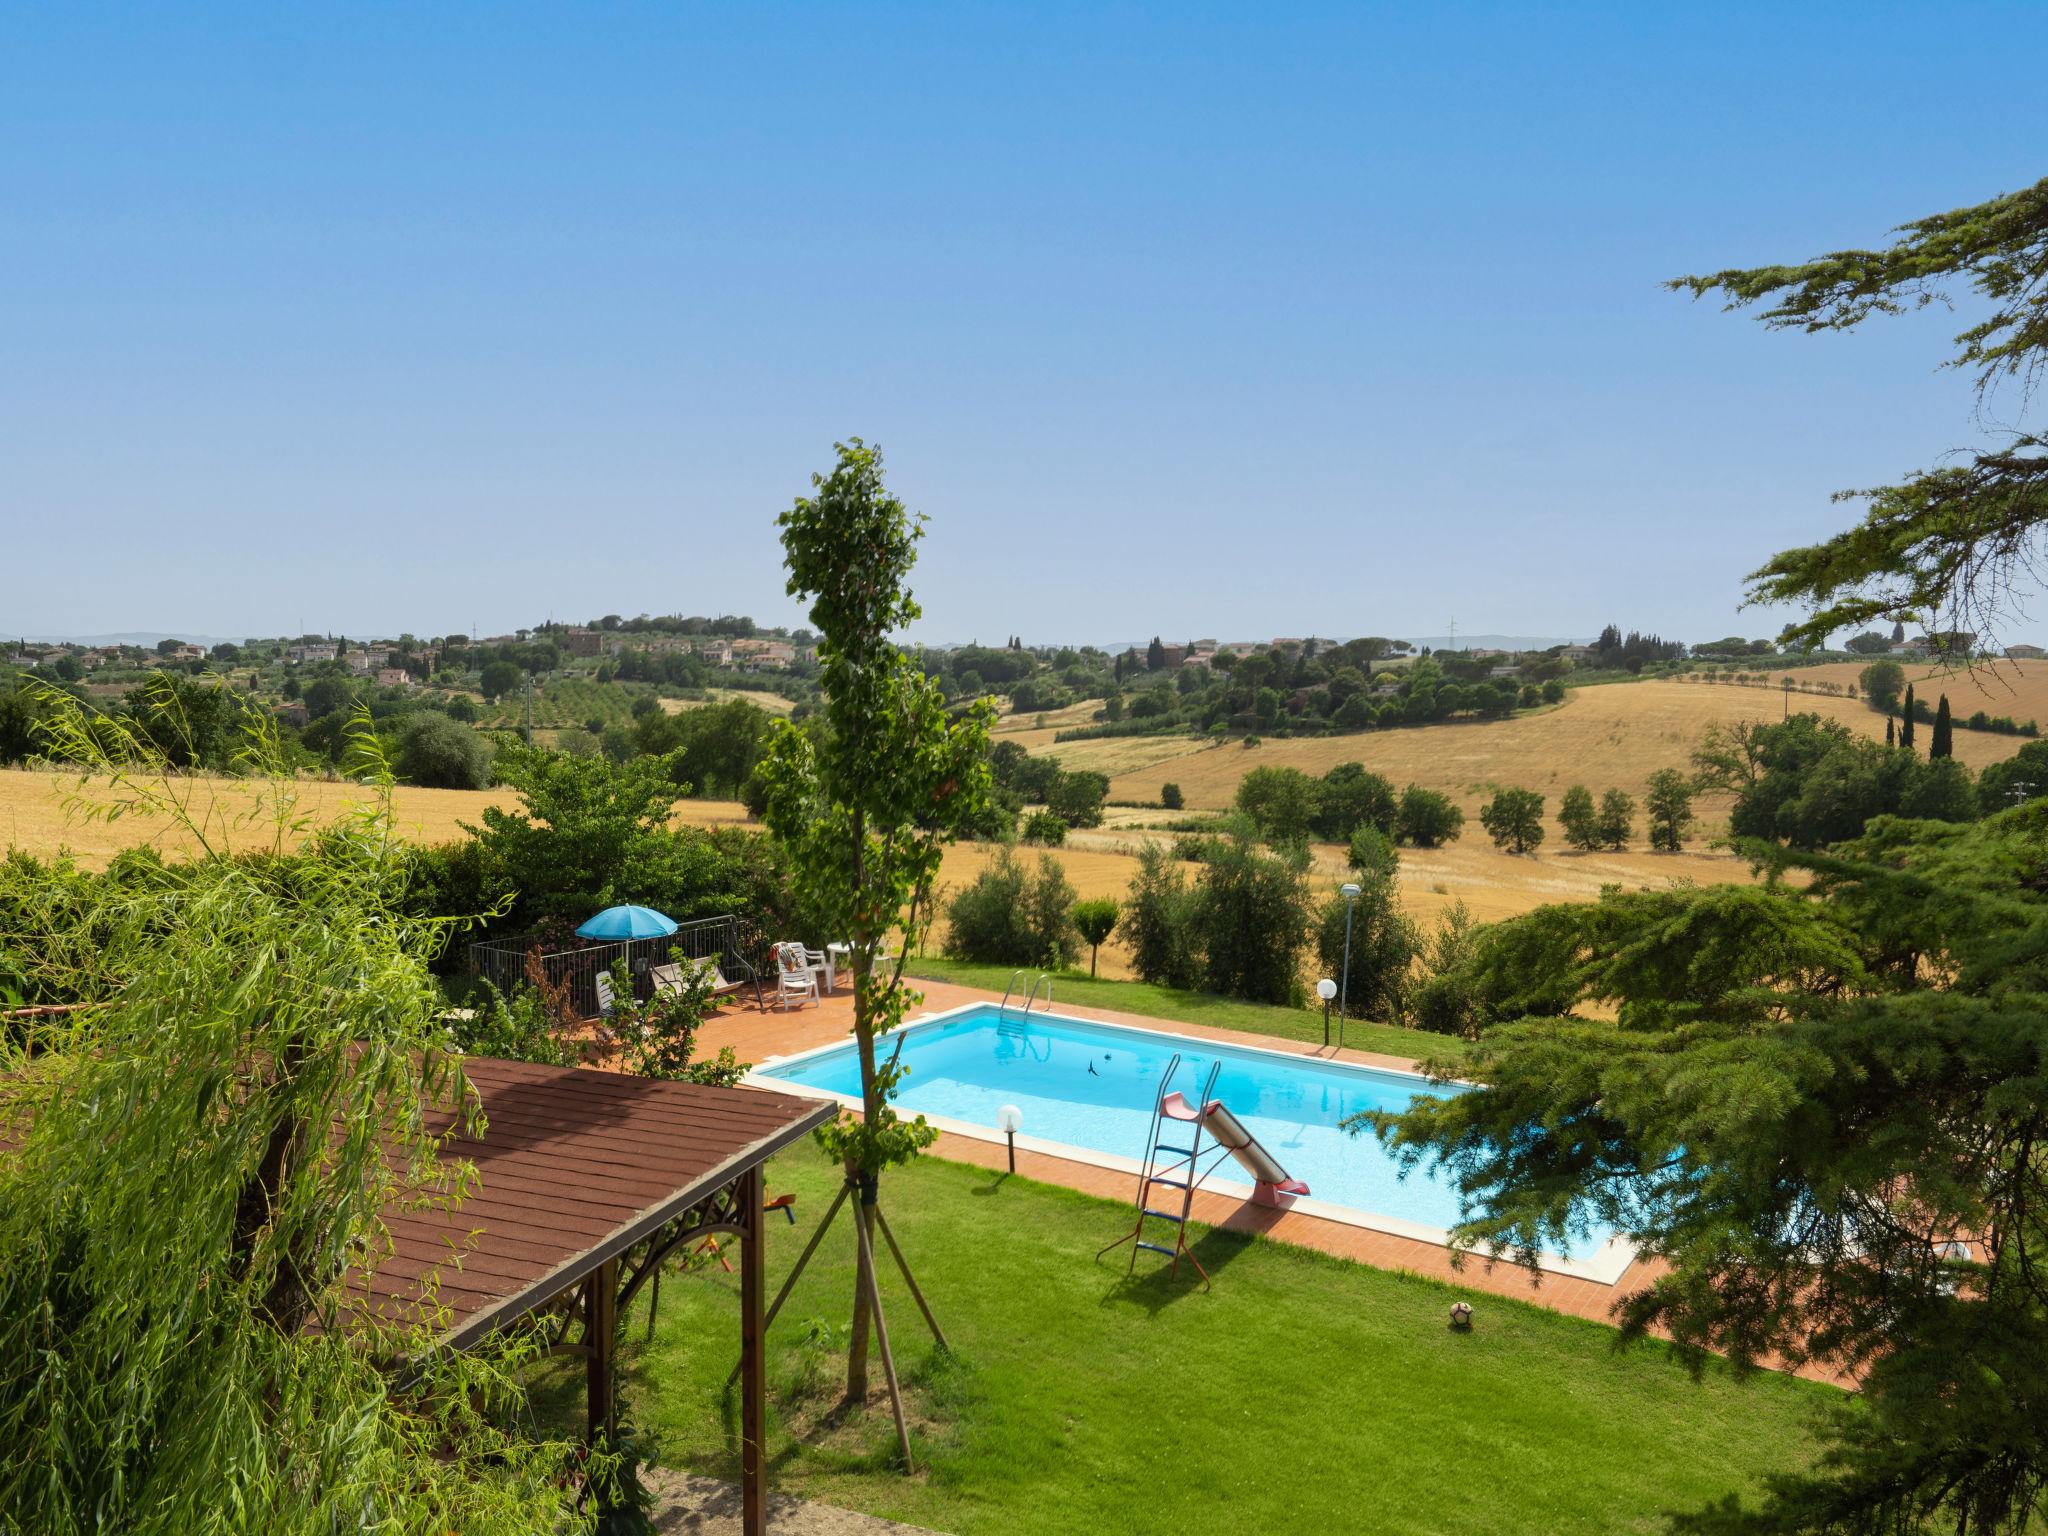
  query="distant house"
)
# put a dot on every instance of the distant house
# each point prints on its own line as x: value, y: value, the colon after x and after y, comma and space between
x: 184, y: 653
x: 762, y: 655
x: 393, y: 677
x: 1576, y: 652
x: 318, y: 651
x: 292, y: 713
x: 583, y: 642
x: 359, y: 663
x: 2025, y: 652
x: 1499, y: 674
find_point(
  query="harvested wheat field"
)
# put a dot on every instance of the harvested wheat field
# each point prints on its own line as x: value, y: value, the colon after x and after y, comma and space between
x: 2015, y: 688
x: 1490, y: 883
x: 35, y: 819
x: 773, y: 703
x: 1613, y: 735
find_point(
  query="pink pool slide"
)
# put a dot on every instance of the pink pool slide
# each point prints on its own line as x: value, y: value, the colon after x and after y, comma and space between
x: 1270, y: 1183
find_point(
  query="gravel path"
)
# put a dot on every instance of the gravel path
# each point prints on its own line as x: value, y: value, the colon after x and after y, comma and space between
x: 704, y: 1506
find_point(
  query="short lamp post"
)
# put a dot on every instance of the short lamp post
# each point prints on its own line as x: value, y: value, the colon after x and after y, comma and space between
x: 1350, y: 891
x: 1326, y: 989
x: 1010, y: 1119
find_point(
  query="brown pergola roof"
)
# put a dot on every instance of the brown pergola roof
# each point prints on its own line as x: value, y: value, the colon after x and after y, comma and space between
x: 574, y: 1168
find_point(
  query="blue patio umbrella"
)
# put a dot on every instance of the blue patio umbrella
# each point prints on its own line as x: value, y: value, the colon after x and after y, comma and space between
x: 627, y: 923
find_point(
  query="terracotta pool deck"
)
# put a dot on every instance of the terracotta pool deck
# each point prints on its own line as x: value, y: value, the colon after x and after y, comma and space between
x: 756, y: 1036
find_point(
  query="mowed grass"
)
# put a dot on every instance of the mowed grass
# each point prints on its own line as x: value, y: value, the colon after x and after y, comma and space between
x: 1302, y: 1393
x: 1608, y: 737
x: 1077, y: 988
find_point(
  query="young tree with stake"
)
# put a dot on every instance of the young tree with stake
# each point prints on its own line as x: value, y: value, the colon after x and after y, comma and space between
x: 865, y: 805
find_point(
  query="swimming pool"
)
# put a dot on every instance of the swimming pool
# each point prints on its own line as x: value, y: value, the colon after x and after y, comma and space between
x: 1086, y: 1090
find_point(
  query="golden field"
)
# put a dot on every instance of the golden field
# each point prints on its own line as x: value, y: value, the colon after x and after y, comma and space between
x: 772, y: 703
x: 33, y: 817
x: 1615, y: 735
x: 2015, y: 688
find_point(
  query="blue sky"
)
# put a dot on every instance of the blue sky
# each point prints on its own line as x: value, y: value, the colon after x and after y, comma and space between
x: 1172, y: 319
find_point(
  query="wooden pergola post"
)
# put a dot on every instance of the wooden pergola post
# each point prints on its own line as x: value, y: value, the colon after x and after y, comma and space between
x: 753, y: 1363
x: 600, y: 1316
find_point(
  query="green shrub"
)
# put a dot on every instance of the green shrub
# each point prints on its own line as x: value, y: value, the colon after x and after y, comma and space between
x: 1170, y: 797
x: 1444, y: 1001
x: 1007, y: 916
x: 1382, y: 948
x: 1252, y: 920
x: 515, y: 1028
x: 1159, y: 921
x: 1046, y: 828
x: 658, y: 1037
x: 438, y: 752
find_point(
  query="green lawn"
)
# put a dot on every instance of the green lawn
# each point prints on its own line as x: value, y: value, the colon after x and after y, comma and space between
x: 1302, y: 1394
x: 1155, y: 1002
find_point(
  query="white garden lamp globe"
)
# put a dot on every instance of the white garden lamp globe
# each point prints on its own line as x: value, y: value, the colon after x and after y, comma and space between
x: 1326, y: 989
x: 1008, y: 1119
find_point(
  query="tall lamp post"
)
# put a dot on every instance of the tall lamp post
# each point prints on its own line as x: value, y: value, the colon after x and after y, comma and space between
x: 1350, y: 891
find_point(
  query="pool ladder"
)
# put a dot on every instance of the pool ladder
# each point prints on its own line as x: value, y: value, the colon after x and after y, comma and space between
x: 1177, y: 1169
x: 1030, y: 995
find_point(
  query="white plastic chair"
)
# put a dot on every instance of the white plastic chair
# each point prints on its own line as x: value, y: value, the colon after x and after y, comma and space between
x: 607, y: 1004
x: 794, y: 978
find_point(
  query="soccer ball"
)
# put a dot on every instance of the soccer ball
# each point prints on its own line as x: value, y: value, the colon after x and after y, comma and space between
x: 1461, y: 1314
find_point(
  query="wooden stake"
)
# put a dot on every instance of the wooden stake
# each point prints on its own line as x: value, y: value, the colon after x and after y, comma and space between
x: 882, y: 1338
x: 911, y: 1281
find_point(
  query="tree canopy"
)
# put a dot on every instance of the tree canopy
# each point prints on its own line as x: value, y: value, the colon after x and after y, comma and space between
x: 1947, y: 545
x: 1802, y: 1100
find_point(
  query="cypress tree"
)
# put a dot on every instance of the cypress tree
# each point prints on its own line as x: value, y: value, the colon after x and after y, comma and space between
x: 1906, y: 721
x: 1944, y: 741
x: 1891, y: 731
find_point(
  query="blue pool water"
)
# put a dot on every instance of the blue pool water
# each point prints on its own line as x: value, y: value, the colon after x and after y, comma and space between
x: 1092, y: 1086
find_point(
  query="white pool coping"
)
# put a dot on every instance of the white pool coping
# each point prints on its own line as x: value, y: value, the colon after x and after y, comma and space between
x: 1604, y: 1266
